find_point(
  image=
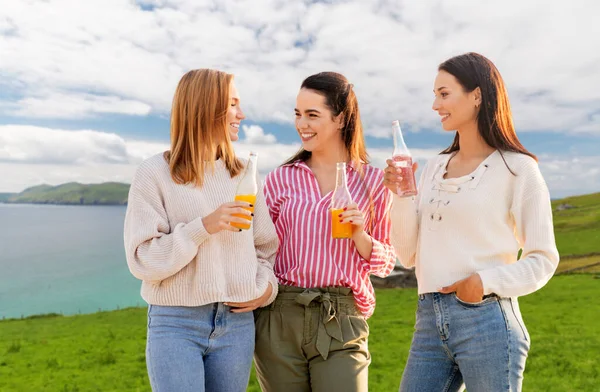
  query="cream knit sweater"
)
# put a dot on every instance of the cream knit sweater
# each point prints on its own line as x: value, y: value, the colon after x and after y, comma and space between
x: 178, y: 261
x: 477, y: 223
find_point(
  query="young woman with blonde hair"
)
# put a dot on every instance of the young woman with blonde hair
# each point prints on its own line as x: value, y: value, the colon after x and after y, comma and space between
x: 201, y: 276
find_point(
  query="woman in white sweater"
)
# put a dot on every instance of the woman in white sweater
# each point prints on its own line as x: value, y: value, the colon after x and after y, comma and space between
x: 201, y: 276
x: 479, y: 202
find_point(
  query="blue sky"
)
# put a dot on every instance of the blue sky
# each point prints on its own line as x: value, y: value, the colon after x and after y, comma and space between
x: 86, y: 87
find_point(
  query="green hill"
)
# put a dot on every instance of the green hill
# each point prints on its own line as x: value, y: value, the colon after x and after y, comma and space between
x: 108, y: 193
x: 5, y: 196
x: 577, y: 224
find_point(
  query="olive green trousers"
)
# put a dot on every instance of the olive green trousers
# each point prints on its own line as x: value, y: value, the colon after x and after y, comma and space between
x: 312, y: 340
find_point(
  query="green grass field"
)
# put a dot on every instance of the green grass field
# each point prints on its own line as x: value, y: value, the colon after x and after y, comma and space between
x: 105, y: 351
x: 583, y: 264
x: 578, y: 229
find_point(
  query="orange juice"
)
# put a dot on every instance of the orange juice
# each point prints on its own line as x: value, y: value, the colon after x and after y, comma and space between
x: 247, y: 198
x: 339, y: 230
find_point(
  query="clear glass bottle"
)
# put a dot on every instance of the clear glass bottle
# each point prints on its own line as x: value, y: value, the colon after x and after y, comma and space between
x: 403, y: 160
x: 340, y: 200
x: 247, y: 190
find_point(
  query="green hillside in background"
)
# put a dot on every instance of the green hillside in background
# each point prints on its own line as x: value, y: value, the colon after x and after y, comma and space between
x: 5, y: 196
x: 577, y: 225
x: 108, y: 193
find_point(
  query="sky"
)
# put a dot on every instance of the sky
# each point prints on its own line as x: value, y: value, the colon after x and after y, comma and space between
x: 86, y: 86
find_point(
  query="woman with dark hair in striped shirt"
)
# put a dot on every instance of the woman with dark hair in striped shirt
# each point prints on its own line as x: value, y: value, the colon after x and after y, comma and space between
x: 314, y: 336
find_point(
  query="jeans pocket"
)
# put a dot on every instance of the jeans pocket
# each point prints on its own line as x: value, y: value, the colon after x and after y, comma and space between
x: 486, y: 300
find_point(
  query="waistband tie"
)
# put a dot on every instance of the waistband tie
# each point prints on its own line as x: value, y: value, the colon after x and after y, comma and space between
x: 330, y: 326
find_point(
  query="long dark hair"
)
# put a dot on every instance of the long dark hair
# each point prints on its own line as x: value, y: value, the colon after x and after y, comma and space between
x: 494, y: 119
x: 339, y: 99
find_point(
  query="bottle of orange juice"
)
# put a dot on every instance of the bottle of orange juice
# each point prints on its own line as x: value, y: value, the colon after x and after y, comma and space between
x: 340, y: 199
x: 247, y: 190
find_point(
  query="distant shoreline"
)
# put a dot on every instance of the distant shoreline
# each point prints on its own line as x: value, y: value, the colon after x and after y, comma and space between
x: 72, y: 193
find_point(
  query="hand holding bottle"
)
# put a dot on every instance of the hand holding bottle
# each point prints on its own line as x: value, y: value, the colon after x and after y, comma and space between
x: 392, y: 175
x: 340, y: 201
x: 402, y: 160
x: 353, y: 216
x: 228, y: 214
x: 247, y: 190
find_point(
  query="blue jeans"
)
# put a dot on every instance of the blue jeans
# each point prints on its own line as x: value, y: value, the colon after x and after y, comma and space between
x: 203, y: 348
x: 482, y: 345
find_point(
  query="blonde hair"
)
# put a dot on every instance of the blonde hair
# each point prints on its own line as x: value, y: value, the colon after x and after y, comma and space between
x: 199, y: 127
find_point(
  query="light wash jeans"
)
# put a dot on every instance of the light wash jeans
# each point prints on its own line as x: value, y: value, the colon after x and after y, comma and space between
x: 203, y: 348
x: 482, y: 345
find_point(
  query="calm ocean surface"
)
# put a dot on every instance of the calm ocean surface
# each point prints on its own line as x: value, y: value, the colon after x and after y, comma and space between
x: 63, y: 259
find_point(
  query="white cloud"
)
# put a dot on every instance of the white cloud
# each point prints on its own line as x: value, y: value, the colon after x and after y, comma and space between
x: 34, y: 155
x: 256, y: 135
x: 591, y: 126
x: 44, y: 146
x: 113, y: 56
x: 75, y: 106
x: 567, y: 175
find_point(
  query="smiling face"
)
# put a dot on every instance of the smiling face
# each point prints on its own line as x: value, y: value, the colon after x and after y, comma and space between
x: 234, y: 113
x: 457, y: 107
x: 315, y: 123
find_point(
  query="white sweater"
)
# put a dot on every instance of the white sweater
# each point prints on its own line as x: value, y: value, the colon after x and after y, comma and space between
x: 178, y: 261
x: 477, y: 224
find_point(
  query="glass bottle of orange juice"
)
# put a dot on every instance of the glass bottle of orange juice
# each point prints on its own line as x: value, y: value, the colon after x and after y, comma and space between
x: 340, y: 199
x: 247, y: 190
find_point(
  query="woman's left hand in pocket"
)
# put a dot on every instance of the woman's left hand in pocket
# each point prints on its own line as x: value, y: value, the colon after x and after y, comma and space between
x: 249, y: 306
x: 468, y: 290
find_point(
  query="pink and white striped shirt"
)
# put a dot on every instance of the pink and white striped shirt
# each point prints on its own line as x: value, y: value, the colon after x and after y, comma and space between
x: 308, y: 256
